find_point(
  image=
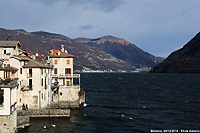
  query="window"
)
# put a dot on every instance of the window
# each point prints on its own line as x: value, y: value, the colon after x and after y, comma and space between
x: 1, y: 98
x: 68, y: 83
x: 42, y: 82
x: 68, y: 61
x: 41, y: 71
x: 30, y: 72
x: 30, y: 84
x: 45, y: 83
x: 6, y: 74
x: 67, y: 70
x: 55, y: 71
x: 20, y: 70
x: 61, y: 93
x: 4, y: 51
x: 13, y: 71
x: 55, y: 61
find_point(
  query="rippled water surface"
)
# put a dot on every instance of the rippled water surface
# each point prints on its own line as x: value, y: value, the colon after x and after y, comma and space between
x: 131, y: 102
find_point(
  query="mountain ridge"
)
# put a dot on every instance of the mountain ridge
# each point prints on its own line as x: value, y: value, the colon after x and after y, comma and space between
x: 123, y: 50
x: 86, y: 56
x: 184, y: 60
x: 103, y: 39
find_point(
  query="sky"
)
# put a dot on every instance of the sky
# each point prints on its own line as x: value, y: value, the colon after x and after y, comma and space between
x: 159, y: 27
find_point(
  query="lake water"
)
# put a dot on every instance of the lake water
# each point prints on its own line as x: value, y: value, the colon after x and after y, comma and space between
x: 131, y: 102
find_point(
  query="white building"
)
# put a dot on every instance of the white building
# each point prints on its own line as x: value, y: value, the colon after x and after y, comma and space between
x: 65, y: 90
x: 9, y: 48
x: 8, y: 99
x: 34, y: 80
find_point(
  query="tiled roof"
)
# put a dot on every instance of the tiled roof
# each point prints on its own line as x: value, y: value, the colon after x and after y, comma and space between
x: 30, y: 63
x: 56, y: 52
x: 21, y: 58
x: 60, y: 54
x: 10, y: 44
x: 9, y: 68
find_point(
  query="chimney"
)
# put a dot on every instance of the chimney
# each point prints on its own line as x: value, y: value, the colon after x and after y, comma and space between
x: 51, y: 51
x: 66, y: 51
x: 62, y: 48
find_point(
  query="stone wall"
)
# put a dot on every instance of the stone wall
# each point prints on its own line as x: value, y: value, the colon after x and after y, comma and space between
x: 8, y: 124
x: 68, y: 93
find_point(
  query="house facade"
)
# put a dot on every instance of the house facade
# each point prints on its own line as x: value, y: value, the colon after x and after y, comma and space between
x: 63, y: 77
x: 34, y: 80
x: 9, y: 48
x: 8, y: 98
x: 24, y: 81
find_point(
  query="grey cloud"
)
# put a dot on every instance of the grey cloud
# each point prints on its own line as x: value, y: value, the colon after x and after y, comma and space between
x: 104, y: 5
x: 109, y: 5
x: 139, y: 21
x: 46, y: 2
x: 86, y: 27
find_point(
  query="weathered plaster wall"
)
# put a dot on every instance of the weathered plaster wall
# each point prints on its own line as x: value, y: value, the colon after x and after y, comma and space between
x: 8, y: 124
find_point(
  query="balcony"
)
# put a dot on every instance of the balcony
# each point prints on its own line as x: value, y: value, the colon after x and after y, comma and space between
x: 8, y: 82
x: 66, y: 75
x: 27, y: 88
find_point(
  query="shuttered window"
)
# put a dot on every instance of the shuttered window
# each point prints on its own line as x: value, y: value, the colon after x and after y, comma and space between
x: 55, y: 71
x: 30, y: 72
x: 68, y: 61
x: 55, y: 61
x: 30, y: 83
x: 67, y: 70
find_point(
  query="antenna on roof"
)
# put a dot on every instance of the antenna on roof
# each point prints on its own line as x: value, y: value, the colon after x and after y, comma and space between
x: 7, y: 37
x: 62, y: 48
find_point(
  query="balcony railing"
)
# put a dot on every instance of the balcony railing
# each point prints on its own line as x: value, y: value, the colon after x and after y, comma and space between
x: 8, y: 82
x: 67, y: 75
x: 27, y: 88
x: 72, y: 86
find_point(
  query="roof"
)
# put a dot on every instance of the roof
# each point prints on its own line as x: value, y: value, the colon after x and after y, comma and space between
x: 21, y: 58
x: 10, y: 44
x: 30, y: 63
x: 35, y: 64
x: 60, y: 54
x: 56, y: 51
x: 9, y: 68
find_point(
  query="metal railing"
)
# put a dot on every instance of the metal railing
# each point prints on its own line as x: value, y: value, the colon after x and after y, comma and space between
x: 66, y: 75
x: 26, y: 88
x: 8, y: 82
x: 72, y: 86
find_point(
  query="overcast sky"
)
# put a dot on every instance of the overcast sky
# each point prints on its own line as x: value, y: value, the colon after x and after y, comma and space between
x: 157, y: 26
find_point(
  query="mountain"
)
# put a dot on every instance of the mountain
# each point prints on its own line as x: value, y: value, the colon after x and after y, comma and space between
x: 184, y: 60
x: 123, y: 50
x: 86, y: 56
